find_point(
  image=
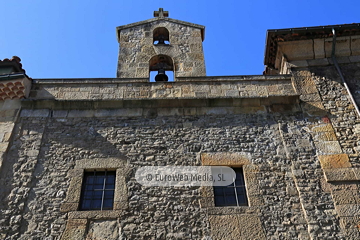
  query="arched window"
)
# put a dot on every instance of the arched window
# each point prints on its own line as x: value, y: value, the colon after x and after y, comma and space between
x: 161, y: 36
x: 163, y: 64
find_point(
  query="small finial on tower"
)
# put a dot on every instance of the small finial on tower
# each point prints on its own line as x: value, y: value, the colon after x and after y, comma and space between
x: 161, y: 13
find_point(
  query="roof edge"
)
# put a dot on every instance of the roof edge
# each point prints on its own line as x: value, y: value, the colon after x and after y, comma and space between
x: 194, y: 25
x: 273, y: 36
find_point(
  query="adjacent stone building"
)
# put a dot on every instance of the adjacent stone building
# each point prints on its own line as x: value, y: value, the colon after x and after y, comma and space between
x: 70, y: 147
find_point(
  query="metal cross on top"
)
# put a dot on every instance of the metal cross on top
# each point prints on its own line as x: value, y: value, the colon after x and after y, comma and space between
x: 161, y: 13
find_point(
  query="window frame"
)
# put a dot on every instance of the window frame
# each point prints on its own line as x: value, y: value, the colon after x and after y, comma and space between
x: 76, y: 175
x: 103, y: 175
x: 233, y: 186
x: 250, y: 171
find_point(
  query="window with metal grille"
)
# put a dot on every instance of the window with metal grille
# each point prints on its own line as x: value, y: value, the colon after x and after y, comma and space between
x: 98, y: 190
x: 233, y: 194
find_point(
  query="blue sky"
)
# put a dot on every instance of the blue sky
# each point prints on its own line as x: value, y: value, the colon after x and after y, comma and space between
x: 76, y: 38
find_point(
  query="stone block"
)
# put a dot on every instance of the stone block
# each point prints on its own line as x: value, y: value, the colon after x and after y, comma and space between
x: 325, y: 136
x: 224, y: 227
x: 319, y: 49
x: 34, y: 113
x: 60, y: 113
x: 318, y: 62
x: 342, y: 46
x: 322, y: 128
x: 348, y: 210
x: 328, y: 147
x: 355, y: 45
x: 249, y: 110
x: 121, y: 191
x: 340, y: 60
x: 129, y: 112
x: 339, y: 174
x: 297, y: 50
x: 74, y: 191
x: 250, y: 227
x: 346, y: 196
x: 214, y: 110
x: 81, y: 113
x: 106, y: 113
x: 334, y: 161
x: 75, y: 229
x: 100, y: 163
x: 170, y: 112
x: 225, y: 159
x: 103, y: 229
x: 355, y: 58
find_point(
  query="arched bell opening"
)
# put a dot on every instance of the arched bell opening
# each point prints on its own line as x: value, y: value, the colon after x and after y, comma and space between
x: 164, y: 66
x: 161, y: 36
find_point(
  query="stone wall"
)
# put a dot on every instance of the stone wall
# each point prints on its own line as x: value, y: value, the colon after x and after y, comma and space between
x: 299, y: 155
x: 291, y: 197
x: 295, y: 138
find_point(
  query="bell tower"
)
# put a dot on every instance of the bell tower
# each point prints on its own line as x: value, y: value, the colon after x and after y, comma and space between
x: 161, y: 44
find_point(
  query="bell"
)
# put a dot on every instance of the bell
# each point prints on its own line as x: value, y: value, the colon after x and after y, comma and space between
x: 161, y: 39
x: 161, y: 76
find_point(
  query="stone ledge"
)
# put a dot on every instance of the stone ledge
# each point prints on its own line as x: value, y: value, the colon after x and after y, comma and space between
x: 232, y: 210
x: 30, y: 105
x: 83, y: 81
x: 154, y: 108
x: 200, y: 88
x: 106, y: 214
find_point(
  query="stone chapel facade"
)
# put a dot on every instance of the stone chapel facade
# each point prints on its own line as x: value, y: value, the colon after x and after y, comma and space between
x: 70, y: 147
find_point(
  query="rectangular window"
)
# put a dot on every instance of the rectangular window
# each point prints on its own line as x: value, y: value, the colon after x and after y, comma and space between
x: 233, y: 194
x: 98, y: 190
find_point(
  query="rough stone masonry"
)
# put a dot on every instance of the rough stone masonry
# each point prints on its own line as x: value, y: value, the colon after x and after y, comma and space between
x: 294, y: 131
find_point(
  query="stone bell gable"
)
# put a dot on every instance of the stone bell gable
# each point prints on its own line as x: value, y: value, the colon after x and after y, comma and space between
x: 180, y: 48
